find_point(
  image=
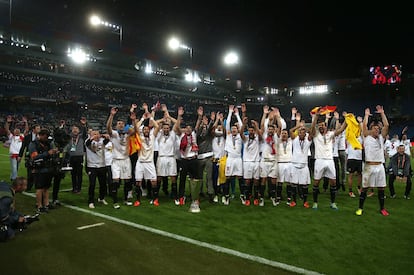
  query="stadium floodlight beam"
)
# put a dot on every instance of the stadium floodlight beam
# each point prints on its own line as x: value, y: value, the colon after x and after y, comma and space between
x: 96, y: 21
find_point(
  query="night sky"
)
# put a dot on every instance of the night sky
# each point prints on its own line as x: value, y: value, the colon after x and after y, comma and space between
x: 278, y: 41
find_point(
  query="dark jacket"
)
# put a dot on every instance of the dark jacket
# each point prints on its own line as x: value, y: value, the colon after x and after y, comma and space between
x: 400, y: 162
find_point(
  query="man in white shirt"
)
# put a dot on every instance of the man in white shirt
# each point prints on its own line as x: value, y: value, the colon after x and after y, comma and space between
x: 300, y: 174
x: 189, y: 163
x: 251, y: 159
x: 324, y: 163
x: 16, y: 142
x: 95, y: 161
x: 145, y: 168
x: 373, y: 174
x: 268, y: 161
x: 121, y: 164
x: 233, y: 148
x: 166, y: 163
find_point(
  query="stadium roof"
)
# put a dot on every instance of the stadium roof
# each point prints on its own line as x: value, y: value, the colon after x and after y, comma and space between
x: 278, y: 42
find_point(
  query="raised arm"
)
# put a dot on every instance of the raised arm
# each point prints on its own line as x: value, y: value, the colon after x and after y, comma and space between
x: 241, y: 130
x: 7, y: 125
x: 180, y: 114
x: 263, y: 124
x: 156, y: 126
x: 365, y: 130
x: 386, y: 125
x: 26, y: 126
x: 236, y: 113
x: 339, y: 128
x: 228, y: 120
x: 256, y: 129
x: 313, y: 125
x: 297, y: 125
x: 200, y: 112
x: 110, y: 120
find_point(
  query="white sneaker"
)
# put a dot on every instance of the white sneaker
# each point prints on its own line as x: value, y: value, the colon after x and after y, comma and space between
x: 226, y: 201
x: 215, y: 199
x: 117, y: 206
x: 223, y: 200
x: 243, y: 199
x: 128, y: 203
x: 194, y: 208
x: 261, y: 203
x: 275, y: 202
x: 91, y: 206
x: 177, y: 202
x: 103, y: 201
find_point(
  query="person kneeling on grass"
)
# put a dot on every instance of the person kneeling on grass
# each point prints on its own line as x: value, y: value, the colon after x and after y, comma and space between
x: 11, y: 220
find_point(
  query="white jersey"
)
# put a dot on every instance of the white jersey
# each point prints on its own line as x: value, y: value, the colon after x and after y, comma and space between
x: 120, y: 145
x: 15, y: 144
x: 251, y: 149
x: 407, y: 146
x: 284, y: 150
x: 233, y: 146
x: 269, y: 147
x: 300, y: 150
x: 146, y: 154
x: 387, y: 147
x: 218, y: 147
x: 323, y: 145
x: 95, y: 154
x: 374, y: 149
x: 341, y: 141
x: 108, y: 153
x: 354, y: 153
x: 166, y: 144
x: 335, y: 152
x: 393, y: 148
x: 187, y: 152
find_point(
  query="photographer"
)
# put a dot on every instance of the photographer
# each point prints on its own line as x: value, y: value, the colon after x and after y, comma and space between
x: 43, y: 155
x: 25, y: 147
x: 61, y: 140
x: 10, y: 219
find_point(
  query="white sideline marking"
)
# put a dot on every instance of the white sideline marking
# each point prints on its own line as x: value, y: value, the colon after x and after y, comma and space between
x: 217, y: 248
x: 89, y: 226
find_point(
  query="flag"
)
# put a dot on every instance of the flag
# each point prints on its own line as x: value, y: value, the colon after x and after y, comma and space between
x: 352, y: 131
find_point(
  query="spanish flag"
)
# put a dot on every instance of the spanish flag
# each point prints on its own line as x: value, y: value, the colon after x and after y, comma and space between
x: 134, y: 143
x: 323, y: 110
x: 352, y: 131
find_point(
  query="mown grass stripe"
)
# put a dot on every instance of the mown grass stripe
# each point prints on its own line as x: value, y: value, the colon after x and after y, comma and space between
x: 192, y: 241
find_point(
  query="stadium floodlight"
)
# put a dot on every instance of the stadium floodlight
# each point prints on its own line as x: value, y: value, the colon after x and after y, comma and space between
x: 174, y: 44
x: 95, y: 21
x: 78, y: 55
x: 231, y: 58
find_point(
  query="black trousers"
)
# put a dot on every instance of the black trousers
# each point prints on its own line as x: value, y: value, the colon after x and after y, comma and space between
x: 93, y: 174
x: 76, y: 162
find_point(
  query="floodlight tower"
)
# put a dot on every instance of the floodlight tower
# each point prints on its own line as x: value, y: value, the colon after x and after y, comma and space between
x: 174, y: 44
x: 231, y: 59
x: 96, y: 21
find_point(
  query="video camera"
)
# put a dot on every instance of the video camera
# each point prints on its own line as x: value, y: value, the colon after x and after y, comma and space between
x: 27, y: 220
